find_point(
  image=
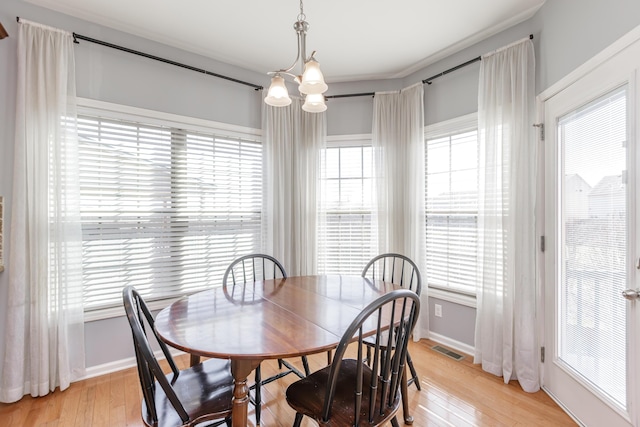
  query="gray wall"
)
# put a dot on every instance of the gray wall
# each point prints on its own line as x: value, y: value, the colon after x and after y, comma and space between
x: 567, y: 33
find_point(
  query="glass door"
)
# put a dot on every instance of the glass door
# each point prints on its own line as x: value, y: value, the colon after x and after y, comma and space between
x: 591, y: 210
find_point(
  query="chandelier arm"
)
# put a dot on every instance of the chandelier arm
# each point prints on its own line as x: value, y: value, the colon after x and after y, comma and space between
x: 282, y: 72
x: 301, y: 52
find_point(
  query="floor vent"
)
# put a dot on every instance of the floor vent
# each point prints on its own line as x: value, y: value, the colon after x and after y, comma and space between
x: 447, y: 352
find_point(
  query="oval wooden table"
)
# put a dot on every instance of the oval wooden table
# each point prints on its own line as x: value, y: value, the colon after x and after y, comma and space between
x: 271, y: 319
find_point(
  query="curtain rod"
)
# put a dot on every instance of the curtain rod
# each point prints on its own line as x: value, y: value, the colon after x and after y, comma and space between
x: 256, y: 87
x: 166, y: 61
x: 157, y: 58
x: 425, y: 81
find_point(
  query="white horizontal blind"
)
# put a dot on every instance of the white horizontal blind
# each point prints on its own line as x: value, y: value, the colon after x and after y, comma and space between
x: 594, y: 260
x: 163, y: 209
x: 345, y: 232
x: 452, y: 210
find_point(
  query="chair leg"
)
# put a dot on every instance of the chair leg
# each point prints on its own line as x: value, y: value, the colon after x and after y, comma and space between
x: 305, y: 363
x: 298, y: 420
x: 394, y: 422
x: 329, y: 357
x: 279, y: 363
x: 414, y: 375
x: 258, y: 394
x: 404, y: 391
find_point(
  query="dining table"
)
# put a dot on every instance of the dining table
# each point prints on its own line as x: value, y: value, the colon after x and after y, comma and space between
x: 267, y: 319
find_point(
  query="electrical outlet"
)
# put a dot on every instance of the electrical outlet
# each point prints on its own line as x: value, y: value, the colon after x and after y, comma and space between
x: 438, y: 312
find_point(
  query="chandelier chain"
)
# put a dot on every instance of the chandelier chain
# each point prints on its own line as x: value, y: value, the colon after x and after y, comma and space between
x: 301, y: 15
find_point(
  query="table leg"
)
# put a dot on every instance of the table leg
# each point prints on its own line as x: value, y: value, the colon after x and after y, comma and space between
x: 240, y: 369
x: 193, y: 360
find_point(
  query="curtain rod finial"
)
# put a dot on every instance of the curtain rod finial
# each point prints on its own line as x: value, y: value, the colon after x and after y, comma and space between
x: 3, y: 32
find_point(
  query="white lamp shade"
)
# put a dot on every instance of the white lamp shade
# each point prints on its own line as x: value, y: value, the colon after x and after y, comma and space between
x: 314, y: 103
x: 312, y: 79
x: 278, y: 96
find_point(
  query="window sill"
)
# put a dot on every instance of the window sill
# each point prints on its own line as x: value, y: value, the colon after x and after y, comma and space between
x: 111, y: 312
x: 454, y: 297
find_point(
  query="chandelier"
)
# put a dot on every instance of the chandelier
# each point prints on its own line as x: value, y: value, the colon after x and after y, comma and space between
x: 310, y: 81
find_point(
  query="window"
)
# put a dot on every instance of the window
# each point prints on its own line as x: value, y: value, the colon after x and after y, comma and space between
x: 345, y: 234
x: 165, y: 207
x: 451, y: 203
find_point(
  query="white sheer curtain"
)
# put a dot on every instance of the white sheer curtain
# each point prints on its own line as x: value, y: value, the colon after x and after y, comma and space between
x: 292, y: 139
x: 505, y: 338
x: 44, y: 333
x: 398, y: 147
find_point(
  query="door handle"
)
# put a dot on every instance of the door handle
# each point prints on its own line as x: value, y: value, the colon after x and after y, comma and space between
x: 631, y: 294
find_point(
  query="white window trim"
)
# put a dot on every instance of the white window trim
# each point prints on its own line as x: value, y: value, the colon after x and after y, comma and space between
x: 460, y: 124
x: 159, y: 118
x: 351, y: 140
x: 452, y: 296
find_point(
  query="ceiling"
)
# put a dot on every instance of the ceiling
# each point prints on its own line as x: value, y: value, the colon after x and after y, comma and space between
x: 354, y: 39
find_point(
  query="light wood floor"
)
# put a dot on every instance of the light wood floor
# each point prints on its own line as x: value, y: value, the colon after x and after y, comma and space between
x: 453, y: 394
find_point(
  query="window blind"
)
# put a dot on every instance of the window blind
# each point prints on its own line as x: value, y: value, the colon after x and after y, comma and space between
x: 451, y: 203
x: 164, y: 209
x: 592, y: 316
x: 345, y: 234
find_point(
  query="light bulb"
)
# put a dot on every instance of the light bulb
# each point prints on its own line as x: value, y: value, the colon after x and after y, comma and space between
x: 277, y: 96
x: 312, y: 79
x: 314, y: 103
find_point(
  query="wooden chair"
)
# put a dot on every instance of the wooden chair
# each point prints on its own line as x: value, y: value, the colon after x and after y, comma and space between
x: 250, y: 269
x: 400, y: 270
x: 203, y: 392
x: 349, y: 392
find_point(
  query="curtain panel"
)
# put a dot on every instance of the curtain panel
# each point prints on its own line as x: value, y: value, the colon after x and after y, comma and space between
x: 292, y: 139
x: 398, y: 150
x: 44, y: 331
x: 505, y: 336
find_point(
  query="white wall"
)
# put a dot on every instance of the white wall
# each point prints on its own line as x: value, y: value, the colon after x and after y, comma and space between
x: 567, y: 33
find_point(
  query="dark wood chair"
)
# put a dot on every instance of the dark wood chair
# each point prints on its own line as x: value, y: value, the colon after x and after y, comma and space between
x: 203, y: 392
x: 400, y: 270
x: 349, y: 392
x: 250, y: 269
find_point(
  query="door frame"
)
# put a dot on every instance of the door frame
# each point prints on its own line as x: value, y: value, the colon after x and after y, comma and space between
x: 634, y: 114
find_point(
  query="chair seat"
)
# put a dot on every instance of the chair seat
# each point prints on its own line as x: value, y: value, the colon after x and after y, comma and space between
x: 305, y: 396
x: 203, y: 390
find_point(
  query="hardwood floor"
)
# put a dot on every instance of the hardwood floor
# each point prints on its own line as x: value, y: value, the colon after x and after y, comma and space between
x: 453, y: 394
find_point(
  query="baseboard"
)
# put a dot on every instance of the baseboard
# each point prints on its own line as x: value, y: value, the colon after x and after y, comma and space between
x: 119, y: 365
x: 130, y: 362
x: 451, y: 343
x: 108, y: 368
